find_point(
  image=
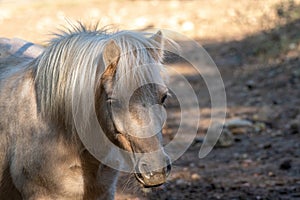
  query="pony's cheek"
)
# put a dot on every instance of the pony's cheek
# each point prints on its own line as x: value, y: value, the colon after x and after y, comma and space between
x: 119, y: 124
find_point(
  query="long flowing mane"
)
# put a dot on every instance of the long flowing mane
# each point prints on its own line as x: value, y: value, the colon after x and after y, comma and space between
x: 74, y: 59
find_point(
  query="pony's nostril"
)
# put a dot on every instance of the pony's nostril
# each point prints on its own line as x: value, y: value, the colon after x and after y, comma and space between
x: 169, y: 167
x: 167, y: 170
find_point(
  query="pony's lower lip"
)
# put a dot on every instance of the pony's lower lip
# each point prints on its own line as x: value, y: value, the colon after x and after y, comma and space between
x: 145, y: 185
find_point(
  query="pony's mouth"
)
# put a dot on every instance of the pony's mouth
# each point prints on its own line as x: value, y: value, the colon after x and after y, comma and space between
x: 154, y: 181
x: 144, y: 172
x: 149, y: 178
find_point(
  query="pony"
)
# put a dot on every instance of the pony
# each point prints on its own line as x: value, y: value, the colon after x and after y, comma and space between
x: 42, y: 153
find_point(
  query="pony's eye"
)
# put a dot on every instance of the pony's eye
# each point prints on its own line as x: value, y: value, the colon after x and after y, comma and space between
x: 163, y: 99
x: 110, y: 100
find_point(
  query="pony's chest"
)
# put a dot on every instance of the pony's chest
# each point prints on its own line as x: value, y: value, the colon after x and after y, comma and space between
x: 75, y: 177
x: 68, y: 174
x: 71, y: 181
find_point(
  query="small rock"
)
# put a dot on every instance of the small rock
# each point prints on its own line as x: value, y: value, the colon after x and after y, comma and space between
x: 195, y: 176
x: 286, y: 165
x: 180, y: 182
x: 246, y: 184
x: 192, y: 165
x: 258, y: 198
x: 292, y: 46
x: 226, y: 139
x: 259, y: 127
x: 238, y: 126
x: 244, y: 156
x: 271, y: 174
x: 237, y: 123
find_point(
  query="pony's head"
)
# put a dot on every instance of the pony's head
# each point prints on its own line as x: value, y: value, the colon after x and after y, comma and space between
x: 115, y: 79
x: 132, y: 93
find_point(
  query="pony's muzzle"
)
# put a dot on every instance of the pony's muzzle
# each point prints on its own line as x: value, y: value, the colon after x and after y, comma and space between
x: 149, y: 177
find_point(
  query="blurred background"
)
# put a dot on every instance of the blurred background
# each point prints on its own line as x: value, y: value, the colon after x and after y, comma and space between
x: 255, y: 45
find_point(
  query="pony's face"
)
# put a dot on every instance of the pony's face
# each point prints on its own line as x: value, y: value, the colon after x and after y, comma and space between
x: 134, y: 120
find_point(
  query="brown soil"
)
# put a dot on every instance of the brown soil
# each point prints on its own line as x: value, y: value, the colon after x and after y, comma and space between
x: 256, y: 49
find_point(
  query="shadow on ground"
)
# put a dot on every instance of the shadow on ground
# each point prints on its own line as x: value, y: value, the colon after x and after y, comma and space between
x: 262, y: 78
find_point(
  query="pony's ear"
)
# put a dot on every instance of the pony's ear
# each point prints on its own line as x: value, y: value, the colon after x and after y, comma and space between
x: 158, y: 42
x: 157, y: 38
x: 111, y: 55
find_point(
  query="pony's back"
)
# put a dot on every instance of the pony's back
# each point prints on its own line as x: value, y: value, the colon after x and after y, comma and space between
x: 15, y: 54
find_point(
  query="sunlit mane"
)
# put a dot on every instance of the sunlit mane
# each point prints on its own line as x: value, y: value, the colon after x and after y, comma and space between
x: 74, y: 59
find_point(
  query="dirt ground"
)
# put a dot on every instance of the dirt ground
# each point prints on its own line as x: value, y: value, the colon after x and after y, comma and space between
x: 255, y: 45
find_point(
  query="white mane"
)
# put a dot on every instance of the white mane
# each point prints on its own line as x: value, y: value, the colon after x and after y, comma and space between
x: 74, y: 58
